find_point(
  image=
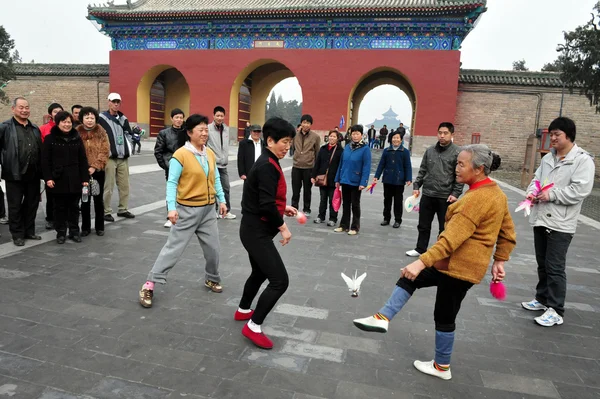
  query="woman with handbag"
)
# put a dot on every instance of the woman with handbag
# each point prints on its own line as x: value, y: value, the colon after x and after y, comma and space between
x: 65, y: 170
x: 97, y: 149
x: 323, y: 175
x: 353, y: 176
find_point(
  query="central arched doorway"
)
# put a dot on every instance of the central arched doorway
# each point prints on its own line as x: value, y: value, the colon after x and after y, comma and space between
x: 160, y: 90
x: 374, y: 81
x: 250, y: 92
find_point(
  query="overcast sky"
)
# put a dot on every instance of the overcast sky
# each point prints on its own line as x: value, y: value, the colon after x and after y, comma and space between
x: 510, y: 30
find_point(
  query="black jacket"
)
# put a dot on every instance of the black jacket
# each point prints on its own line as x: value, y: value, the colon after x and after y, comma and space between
x: 436, y: 177
x: 246, y: 156
x: 322, y: 163
x: 9, y: 149
x: 64, y: 160
x: 167, y: 142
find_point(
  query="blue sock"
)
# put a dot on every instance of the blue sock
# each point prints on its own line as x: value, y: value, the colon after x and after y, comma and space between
x: 396, y: 302
x: 444, y: 341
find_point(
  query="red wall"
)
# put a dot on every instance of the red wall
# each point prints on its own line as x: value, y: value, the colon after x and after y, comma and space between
x: 326, y: 77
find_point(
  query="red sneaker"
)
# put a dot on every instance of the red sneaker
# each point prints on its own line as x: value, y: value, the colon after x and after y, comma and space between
x: 243, y: 316
x: 258, y: 339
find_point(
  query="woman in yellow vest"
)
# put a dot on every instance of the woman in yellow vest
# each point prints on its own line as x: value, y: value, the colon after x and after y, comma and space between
x: 192, y: 189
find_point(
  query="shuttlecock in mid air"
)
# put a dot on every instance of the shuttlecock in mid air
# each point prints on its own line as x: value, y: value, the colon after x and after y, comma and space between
x: 354, y: 283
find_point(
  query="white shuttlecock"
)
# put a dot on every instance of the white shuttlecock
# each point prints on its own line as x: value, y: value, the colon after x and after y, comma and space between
x: 354, y: 283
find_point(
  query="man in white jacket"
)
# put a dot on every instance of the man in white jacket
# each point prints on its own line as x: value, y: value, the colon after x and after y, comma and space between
x: 218, y: 141
x: 554, y: 216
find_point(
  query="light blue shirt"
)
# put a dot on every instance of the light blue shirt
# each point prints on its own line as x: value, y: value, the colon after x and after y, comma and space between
x: 175, y: 169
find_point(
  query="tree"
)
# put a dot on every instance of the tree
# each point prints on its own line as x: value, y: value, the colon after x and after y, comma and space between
x: 555, y: 66
x: 291, y: 111
x: 519, y: 66
x: 7, y: 70
x: 581, y: 56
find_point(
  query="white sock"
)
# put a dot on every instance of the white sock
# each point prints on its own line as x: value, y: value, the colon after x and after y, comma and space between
x: 254, y: 327
x: 245, y: 311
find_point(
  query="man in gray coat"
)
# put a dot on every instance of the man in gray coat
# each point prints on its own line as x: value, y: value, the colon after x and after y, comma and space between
x: 554, y: 216
x: 218, y: 141
x: 437, y: 180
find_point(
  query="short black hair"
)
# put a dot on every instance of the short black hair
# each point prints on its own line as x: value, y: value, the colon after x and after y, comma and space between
x: 218, y: 108
x: 177, y: 111
x: 448, y: 125
x: 565, y: 124
x: 306, y: 117
x: 88, y: 110
x: 53, y: 106
x: 76, y: 106
x: 356, y: 128
x: 61, y: 116
x: 277, y: 129
x: 190, y: 123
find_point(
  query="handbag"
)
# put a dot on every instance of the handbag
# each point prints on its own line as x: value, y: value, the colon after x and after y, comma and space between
x: 94, y: 187
x: 321, y: 180
x: 336, y: 202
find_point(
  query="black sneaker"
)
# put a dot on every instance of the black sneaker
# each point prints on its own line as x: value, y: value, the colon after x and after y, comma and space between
x: 109, y: 218
x: 85, y: 233
x: 75, y: 237
x: 126, y: 214
x: 385, y: 223
x: 49, y: 225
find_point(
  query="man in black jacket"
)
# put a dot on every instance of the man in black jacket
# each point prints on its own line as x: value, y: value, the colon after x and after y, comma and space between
x: 371, y: 134
x: 21, y: 149
x: 167, y: 142
x: 249, y: 150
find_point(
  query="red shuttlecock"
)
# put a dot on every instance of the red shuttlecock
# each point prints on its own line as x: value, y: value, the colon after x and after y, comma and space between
x: 301, y: 217
x: 498, y: 290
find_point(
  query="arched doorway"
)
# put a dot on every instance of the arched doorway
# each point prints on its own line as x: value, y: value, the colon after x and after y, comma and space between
x: 377, y: 83
x: 161, y: 89
x: 251, y: 90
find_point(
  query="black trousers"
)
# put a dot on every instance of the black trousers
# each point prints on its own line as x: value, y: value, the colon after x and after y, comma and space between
x: 393, y: 193
x: 448, y: 298
x: 49, y: 206
x: 86, y: 220
x: 551, y: 254
x: 266, y: 263
x: 301, y: 179
x: 23, y: 199
x: 66, y: 213
x: 430, y: 207
x: 326, y: 199
x: 2, y: 206
x: 350, y: 203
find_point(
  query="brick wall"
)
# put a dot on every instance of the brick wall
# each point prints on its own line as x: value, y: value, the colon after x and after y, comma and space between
x: 506, y: 115
x: 67, y: 91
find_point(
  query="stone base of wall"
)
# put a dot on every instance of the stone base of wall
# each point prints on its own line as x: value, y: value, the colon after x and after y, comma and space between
x: 421, y: 143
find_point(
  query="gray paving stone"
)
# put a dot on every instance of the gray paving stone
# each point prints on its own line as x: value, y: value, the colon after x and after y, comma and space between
x: 109, y: 345
x: 93, y: 312
x: 63, y: 378
x: 342, y: 371
x: 167, y: 357
x: 352, y: 390
x: 296, y: 334
x: 302, y: 311
x: 17, y: 366
x: 512, y: 383
x: 111, y: 388
x: 229, y: 389
x: 348, y: 342
x: 211, y: 348
x: 568, y: 391
x: 313, y: 351
x: 301, y: 383
x: 50, y: 393
x: 276, y: 360
x: 17, y: 389
x: 182, y: 381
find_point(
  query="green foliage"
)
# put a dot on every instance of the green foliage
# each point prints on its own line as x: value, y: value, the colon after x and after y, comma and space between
x: 291, y: 111
x: 581, y: 59
x: 7, y: 57
x: 519, y: 66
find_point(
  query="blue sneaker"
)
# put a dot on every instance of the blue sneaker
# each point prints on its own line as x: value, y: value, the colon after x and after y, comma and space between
x: 533, y: 305
x: 549, y: 318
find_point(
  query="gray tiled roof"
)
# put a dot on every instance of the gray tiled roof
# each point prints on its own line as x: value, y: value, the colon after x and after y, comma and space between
x: 143, y: 6
x: 61, y: 69
x: 519, y: 78
x: 480, y: 76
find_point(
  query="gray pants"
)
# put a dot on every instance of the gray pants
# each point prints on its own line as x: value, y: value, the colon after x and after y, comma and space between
x: 201, y: 221
x: 225, y: 184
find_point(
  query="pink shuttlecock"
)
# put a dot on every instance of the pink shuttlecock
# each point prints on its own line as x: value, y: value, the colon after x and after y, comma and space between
x: 301, y: 217
x: 498, y: 290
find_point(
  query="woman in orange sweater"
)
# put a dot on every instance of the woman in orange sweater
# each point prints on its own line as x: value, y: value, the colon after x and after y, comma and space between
x: 459, y: 259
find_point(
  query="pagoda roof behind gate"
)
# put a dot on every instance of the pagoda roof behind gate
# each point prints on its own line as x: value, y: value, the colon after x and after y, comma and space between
x: 152, y: 9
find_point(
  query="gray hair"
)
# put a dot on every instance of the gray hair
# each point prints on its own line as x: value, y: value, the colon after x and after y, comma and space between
x: 14, y: 103
x: 481, y: 155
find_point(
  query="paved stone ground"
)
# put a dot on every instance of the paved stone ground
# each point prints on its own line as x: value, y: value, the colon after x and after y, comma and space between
x: 71, y: 327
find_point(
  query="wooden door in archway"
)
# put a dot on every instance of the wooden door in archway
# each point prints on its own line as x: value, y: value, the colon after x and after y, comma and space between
x: 157, y: 106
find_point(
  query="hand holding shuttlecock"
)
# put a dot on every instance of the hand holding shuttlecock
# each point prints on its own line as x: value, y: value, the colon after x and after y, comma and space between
x: 354, y: 283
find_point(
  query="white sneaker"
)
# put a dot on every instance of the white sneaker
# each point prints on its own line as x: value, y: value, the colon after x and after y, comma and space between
x: 413, y: 253
x: 549, y: 318
x: 533, y: 305
x: 4, y: 220
x: 372, y: 324
x: 429, y: 368
x: 168, y: 224
x: 229, y: 215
